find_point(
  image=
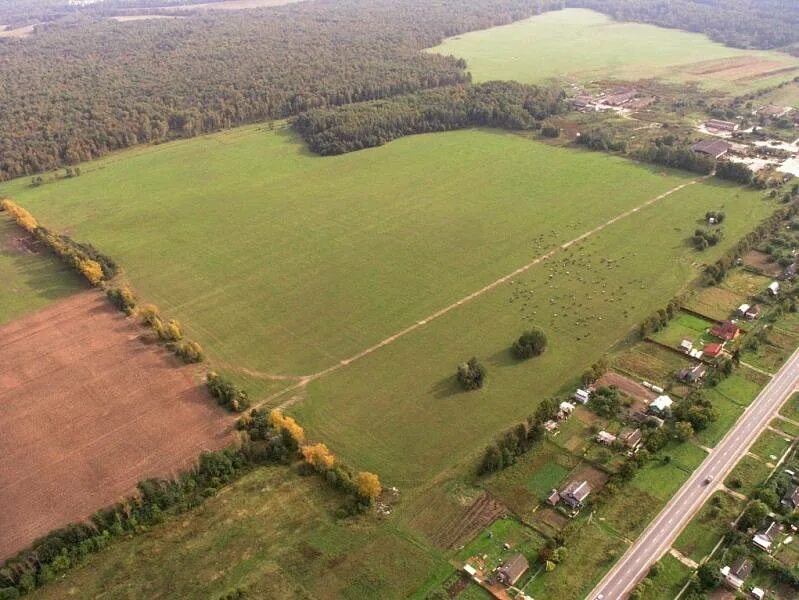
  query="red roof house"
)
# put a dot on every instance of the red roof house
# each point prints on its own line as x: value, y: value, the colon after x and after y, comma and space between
x: 727, y: 330
x: 712, y: 350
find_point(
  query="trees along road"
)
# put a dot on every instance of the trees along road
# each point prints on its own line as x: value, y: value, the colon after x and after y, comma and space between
x: 656, y: 540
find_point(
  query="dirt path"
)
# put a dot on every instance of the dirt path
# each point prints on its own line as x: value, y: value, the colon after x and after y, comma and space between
x: 305, y: 380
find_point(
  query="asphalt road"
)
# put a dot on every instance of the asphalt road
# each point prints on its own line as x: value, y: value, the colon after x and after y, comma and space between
x: 661, y: 533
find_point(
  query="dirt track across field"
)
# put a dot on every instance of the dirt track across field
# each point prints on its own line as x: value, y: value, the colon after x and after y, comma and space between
x: 86, y: 411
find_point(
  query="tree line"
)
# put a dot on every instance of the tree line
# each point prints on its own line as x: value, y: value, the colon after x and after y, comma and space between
x: 506, y: 105
x: 267, y: 437
x: 84, y: 85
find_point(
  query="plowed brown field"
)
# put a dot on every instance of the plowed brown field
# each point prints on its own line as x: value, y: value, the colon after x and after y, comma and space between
x: 86, y: 411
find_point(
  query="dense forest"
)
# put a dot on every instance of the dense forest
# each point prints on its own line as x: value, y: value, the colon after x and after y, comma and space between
x: 506, y: 105
x: 84, y: 85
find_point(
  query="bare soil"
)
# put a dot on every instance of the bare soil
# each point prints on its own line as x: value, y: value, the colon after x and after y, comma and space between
x: 18, y: 33
x: 760, y: 261
x: 627, y: 386
x: 464, y: 526
x: 88, y: 411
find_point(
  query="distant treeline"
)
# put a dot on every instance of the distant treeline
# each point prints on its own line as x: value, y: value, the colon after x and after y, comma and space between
x: 84, y: 85
x: 506, y: 105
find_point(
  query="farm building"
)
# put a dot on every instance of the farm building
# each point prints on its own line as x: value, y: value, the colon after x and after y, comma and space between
x: 575, y: 493
x: 753, y: 312
x: 726, y: 331
x: 714, y: 148
x: 758, y: 593
x: 553, y: 498
x: 791, y: 497
x: 582, y: 396
x: 512, y: 570
x: 772, y: 111
x: 661, y: 404
x: 620, y: 97
x: 735, y: 574
x: 582, y: 102
x: 774, y: 288
x: 765, y: 538
x: 686, y: 346
x: 692, y: 374
x: 719, y: 125
x: 742, y: 310
x: 713, y: 350
x: 631, y: 438
x: 603, y: 437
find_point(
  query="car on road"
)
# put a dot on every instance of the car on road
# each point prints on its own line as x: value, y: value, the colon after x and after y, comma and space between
x: 708, y: 479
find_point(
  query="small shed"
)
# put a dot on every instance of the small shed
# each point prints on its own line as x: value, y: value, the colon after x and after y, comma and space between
x: 743, y: 309
x: 553, y: 498
x: 631, y: 438
x: 582, y: 396
x: 686, y: 346
x: 774, y: 288
x: 510, y: 572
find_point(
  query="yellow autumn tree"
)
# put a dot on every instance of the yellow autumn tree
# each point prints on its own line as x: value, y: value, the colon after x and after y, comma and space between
x: 149, y: 313
x: 368, y: 485
x: 91, y: 270
x: 173, y: 330
x: 318, y: 456
x: 279, y: 421
x: 23, y: 218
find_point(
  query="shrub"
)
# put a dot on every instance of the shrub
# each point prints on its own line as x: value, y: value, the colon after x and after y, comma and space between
x: 471, y: 374
x: 531, y: 343
x: 122, y: 298
x: 190, y: 352
x: 226, y: 393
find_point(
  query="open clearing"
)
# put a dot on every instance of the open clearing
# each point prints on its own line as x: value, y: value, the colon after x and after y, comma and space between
x: 241, y: 236
x: 583, y: 45
x: 305, y: 275
x: 29, y: 280
x: 88, y: 411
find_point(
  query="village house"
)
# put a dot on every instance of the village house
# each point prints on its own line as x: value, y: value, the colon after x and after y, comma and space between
x: 753, y: 312
x: 686, y: 346
x: 758, y: 593
x: 743, y: 309
x: 714, y: 148
x: 575, y: 493
x: 693, y: 374
x: 726, y: 331
x: 774, y: 288
x: 553, y: 498
x: 645, y: 419
x: 603, y: 437
x: 721, y: 126
x: 631, y: 438
x: 661, y: 404
x: 765, y: 538
x: 735, y: 574
x: 512, y: 569
x: 791, y: 498
x: 713, y: 350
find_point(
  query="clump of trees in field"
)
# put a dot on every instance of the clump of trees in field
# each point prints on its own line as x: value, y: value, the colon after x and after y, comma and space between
x: 733, y: 171
x: 705, y: 238
x: 532, y: 342
x: 122, y: 298
x: 507, y: 105
x: 83, y: 258
x: 267, y: 437
x: 171, y: 333
x: 471, y: 375
x: 518, y: 439
x: 227, y: 394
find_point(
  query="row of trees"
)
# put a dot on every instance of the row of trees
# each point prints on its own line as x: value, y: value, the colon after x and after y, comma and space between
x: 227, y: 394
x: 507, y: 105
x: 268, y: 437
x: 85, y: 259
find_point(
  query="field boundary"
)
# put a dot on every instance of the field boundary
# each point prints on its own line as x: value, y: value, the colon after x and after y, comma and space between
x: 306, y: 379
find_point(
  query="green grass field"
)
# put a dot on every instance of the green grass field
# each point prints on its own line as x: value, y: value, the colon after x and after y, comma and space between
x: 583, y: 45
x: 750, y: 473
x: 243, y: 237
x: 708, y: 526
x: 29, y: 281
x: 770, y: 444
x: 586, y: 298
x: 273, y: 534
x: 669, y: 581
x: 791, y: 408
